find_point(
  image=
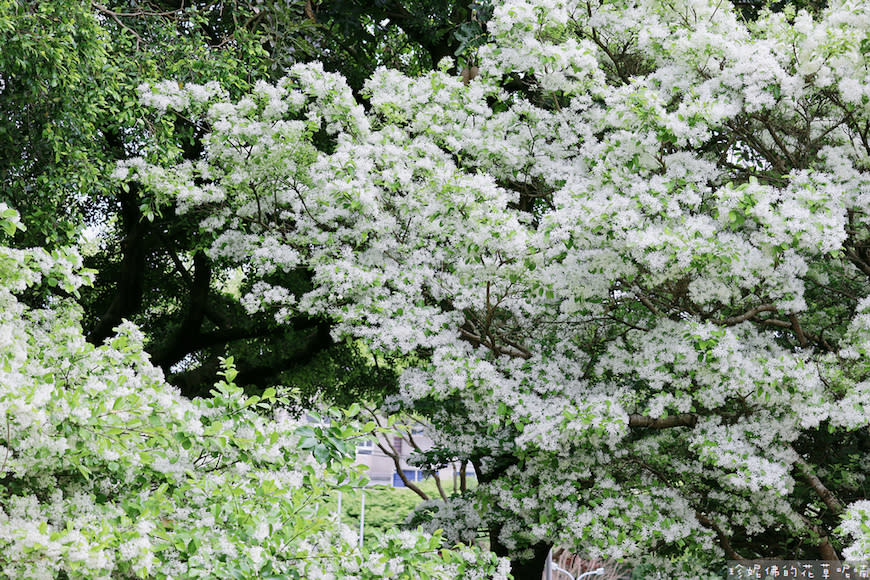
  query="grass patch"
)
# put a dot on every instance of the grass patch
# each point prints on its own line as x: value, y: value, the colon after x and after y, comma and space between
x: 385, y: 508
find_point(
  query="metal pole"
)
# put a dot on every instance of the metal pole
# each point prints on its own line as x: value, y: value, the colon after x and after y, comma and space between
x: 548, y: 567
x: 362, y: 517
x: 339, y: 507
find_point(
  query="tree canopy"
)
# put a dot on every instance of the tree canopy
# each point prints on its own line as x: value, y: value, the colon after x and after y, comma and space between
x: 615, y: 252
x: 625, y: 266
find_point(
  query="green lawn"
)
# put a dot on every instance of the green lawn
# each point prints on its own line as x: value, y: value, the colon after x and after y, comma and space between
x: 385, y: 507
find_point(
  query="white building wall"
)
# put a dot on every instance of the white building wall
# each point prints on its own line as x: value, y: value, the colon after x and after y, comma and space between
x: 382, y: 468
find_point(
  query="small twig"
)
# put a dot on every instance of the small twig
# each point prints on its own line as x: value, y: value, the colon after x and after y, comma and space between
x: 715, y: 11
x: 139, y: 39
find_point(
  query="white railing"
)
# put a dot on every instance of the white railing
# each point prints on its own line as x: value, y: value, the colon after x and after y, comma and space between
x: 551, y: 566
x: 362, y: 514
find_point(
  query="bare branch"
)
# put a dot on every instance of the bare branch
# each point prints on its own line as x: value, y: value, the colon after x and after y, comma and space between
x: 816, y: 484
x: 523, y: 351
x: 808, y: 336
x: 720, y: 535
x: 646, y: 302
x: 748, y: 315
x: 393, y: 454
x: 856, y: 259
x: 679, y: 420
x: 496, y: 348
x: 776, y: 139
x: 775, y: 322
x: 309, y: 12
x: 435, y: 476
x: 117, y: 18
x: 796, y: 326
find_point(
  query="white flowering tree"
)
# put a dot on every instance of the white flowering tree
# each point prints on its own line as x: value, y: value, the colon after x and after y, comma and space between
x: 627, y: 265
x: 107, y: 472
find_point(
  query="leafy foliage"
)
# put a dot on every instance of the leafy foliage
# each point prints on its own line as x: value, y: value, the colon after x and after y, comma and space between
x: 54, y: 58
x: 625, y: 266
x: 107, y: 471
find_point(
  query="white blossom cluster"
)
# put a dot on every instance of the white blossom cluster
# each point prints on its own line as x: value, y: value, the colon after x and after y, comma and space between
x: 457, y: 518
x: 106, y: 471
x: 628, y: 259
x: 855, y: 524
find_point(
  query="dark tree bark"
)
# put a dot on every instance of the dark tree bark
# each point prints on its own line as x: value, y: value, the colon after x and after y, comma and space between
x: 129, y: 286
x: 521, y: 569
x: 531, y: 569
x: 188, y: 334
x: 198, y: 381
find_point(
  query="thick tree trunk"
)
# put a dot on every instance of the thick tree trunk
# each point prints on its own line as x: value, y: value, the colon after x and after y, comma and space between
x: 129, y: 288
x: 183, y: 341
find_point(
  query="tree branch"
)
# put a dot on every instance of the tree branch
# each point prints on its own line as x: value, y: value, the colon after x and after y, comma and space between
x: 799, y: 332
x: 435, y: 475
x: 496, y: 348
x: 397, y: 462
x: 826, y: 549
x: 680, y: 420
x: 252, y: 371
x: 826, y: 495
x: 646, y: 302
x: 748, y: 315
x: 857, y: 261
x: 720, y: 535
x: 130, y: 284
x: 183, y: 340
